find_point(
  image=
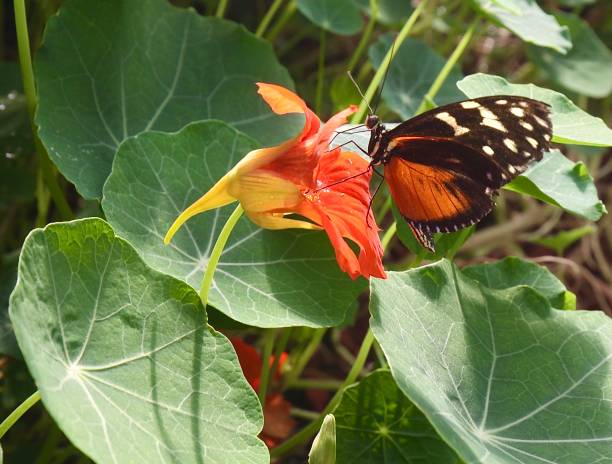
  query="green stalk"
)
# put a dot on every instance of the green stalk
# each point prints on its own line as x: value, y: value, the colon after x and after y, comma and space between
x: 280, y: 347
x: 307, y: 432
x: 389, y: 233
x: 18, y: 412
x: 320, y: 72
x: 365, y: 38
x: 221, y: 8
x: 264, y: 377
x: 380, y: 73
x: 316, y: 384
x: 448, y: 66
x: 27, y: 74
x: 304, y: 357
x: 284, y: 18
x: 265, y: 22
x: 216, y: 253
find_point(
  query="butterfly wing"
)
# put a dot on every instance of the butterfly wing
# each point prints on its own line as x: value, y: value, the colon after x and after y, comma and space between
x: 445, y: 164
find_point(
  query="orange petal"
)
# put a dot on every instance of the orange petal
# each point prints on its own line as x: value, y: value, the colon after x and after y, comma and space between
x: 278, y: 423
x: 280, y: 99
x: 332, y: 124
x: 249, y: 360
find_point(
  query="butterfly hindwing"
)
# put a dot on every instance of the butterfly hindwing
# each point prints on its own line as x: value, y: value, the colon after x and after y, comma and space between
x: 444, y: 166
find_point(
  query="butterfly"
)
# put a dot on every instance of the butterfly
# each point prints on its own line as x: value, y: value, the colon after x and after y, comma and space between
x: 443, y: 167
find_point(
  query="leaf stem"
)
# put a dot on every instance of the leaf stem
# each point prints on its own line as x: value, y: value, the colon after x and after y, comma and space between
x: 448, y: 66
x: 282, y: 20
x: 380, y: 73
x: 18, y: 412
x: 316, y: 384
x: 221, y: 8
x: 265, y: 22
x: 365, y: 38
x: 388, y: 236
x: 304, y: 357
x: 216, y: 253
x: 264, y: 377
x: 320, y: 72
x: 27, y: 74
x: 280, y: 347
x: 307, y: 432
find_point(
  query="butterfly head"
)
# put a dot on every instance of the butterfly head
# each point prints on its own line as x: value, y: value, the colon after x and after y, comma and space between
x: 376, y: 131
x: 372, y: 122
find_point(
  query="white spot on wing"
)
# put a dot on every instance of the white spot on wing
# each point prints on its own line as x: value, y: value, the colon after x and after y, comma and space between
x: 469, y: 104
x: 526, y: 154
x: 451, y: 121
x: 533, y: 142
x: 501, y: 102
x: 511, y: 145
x: 526, y: 125
x: 519, y: 112
x: 487, y: 114
x: 547, y: 137
x: 494, y: 123
x: 488, y: 150
x: 511, y: 169
x: 524, y: 104
x: 540, y: 121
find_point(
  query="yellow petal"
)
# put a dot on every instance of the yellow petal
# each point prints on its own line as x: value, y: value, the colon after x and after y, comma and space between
x: 276, y: 221
x: 258, y: 158
x: 216, y: 197
x: 262, y: 191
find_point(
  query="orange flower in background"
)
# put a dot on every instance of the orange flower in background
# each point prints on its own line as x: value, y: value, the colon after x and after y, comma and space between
x: 271, y: 183
x: 278, y: 423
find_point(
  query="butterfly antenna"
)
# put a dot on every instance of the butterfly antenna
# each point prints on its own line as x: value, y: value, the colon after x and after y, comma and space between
x: 360, y: 92
x: 384, y: 78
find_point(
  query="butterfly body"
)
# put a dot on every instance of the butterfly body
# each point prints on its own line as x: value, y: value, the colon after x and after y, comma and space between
x: 444, y: 166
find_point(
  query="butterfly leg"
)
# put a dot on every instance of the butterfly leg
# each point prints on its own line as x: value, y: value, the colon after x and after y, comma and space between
x: 372, y: 198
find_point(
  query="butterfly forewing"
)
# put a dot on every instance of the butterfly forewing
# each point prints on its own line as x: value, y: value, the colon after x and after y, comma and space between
x: 444, y: 165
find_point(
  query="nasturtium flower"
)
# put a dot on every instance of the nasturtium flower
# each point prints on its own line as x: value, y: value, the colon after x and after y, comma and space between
x: 278, y: 423
x: 297, y: 178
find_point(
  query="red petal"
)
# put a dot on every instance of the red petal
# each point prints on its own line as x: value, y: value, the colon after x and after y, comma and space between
x: 249, y: 359
x: 342, y: 208
x: 278, y: 423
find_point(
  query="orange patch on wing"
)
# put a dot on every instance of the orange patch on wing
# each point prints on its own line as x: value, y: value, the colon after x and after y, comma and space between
x: 421, y: 192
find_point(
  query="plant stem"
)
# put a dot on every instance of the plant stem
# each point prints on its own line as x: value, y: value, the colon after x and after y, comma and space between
x: 280, y: 347
x: 304, y: 414
x: 221, y: 8
x: 320, y: 72
x: 448, y: 66
x: 365, y: 38
x: 316, y: 384
x: 265, y: 22
x: 389, y: 233
x: 18, y: 412
x: 282, y: 20
x: 264, y: 377
x: 307, y: 432
x: 216, y: 253
x: 380, y: 73
x: 27, y: 74
x: 304, y: 357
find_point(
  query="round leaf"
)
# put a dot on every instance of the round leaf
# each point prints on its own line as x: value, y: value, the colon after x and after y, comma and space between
x: 586, y: 68
x: 389, y: 11
x: 527, y: 20
x: 502, y: 376
x: 112, y: 69
x: 337, y: 16
x: 407, y: 84
x: 563, y: 183
x: 264, y: 278
x: 122, y: 355
x: 570, y: 123
x: 376, y: 423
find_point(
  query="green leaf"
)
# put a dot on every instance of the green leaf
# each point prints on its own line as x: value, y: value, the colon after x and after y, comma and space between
x: 561, y: 241
x: 337, y: 16
x: 570, y: 123
x: 563, y: 183
x: 511, y: 272
x: 122, y: 355
x: 527, y: 20
x: 264, y: 278
x: 502, y: 376
x: 8, y: 279
x: 389, y: 11
x: 407, y: 84
x: 376, y: 423
x: 323, y: 450
x: 586, y: 68
x: 145, y: 65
